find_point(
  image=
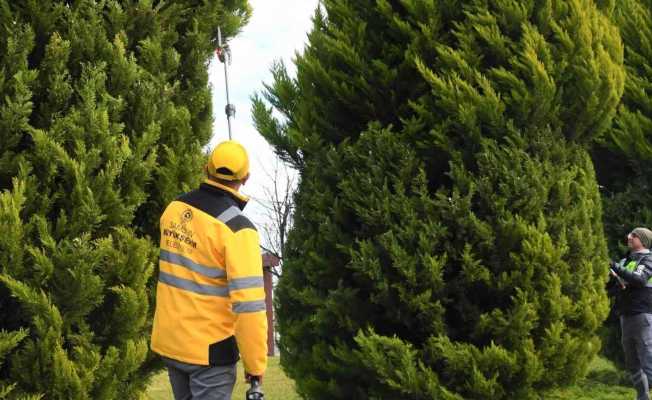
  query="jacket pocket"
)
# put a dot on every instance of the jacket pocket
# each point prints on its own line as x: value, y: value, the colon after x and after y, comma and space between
x: 224, y: 352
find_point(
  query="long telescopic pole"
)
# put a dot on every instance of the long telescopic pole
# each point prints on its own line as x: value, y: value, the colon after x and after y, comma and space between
x: 224, y: 55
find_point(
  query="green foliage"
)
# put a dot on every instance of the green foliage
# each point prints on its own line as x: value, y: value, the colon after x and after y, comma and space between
x: 447, y: 240
x: 601, y: 383
x: 104, y: 109
x: 623, y: 156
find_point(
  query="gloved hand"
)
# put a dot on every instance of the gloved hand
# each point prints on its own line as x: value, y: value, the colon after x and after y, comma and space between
x: 617, y: 268
x: 616, y: 273
x: 249, y: 377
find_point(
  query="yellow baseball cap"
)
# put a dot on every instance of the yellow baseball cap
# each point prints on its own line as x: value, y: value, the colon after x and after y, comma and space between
x: 228, y: 161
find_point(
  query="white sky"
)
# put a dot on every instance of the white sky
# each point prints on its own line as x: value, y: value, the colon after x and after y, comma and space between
x: 277, y: 29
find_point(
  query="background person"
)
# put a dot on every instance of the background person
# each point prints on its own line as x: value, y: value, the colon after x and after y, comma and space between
x: 631, y: 286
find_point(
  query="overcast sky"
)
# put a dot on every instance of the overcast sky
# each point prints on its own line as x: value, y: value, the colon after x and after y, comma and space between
x: 277, y: 29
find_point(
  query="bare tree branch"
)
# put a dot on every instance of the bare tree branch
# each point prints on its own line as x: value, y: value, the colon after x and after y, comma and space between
x: 278, y: 204
x: 272, y: 252
x: 273, y: 270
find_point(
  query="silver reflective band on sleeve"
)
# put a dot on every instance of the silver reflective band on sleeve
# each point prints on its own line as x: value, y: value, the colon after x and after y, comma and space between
x: 185, y: 284
x: 178, y: 259
x: 246, y: 283
x: 229, y: 214
x: 249, y: 306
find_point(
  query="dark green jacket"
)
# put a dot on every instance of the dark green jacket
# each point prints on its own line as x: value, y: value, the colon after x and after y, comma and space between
x: 636, y: 271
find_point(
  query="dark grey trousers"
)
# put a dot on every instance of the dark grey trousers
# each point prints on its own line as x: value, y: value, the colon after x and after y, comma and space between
x: 637, y: 344
x: 200, y: 382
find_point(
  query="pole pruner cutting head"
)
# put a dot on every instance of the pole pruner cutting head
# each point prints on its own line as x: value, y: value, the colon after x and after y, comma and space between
x: 223, y: 54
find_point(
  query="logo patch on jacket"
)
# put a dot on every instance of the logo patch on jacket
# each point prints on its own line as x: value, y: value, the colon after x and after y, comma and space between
x: 186, y: 216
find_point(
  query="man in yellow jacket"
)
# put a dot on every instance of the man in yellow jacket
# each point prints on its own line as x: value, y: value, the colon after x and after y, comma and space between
x: 210, y: 297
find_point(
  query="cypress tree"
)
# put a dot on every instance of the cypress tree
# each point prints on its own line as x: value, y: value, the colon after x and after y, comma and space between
x: 623, y: 156
x: 104, y: 109
x: 448, y: 239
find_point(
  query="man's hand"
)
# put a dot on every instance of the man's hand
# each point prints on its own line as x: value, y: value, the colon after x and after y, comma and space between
x: 255, y: 392
x: 614, y: 271
x: 249, y: 377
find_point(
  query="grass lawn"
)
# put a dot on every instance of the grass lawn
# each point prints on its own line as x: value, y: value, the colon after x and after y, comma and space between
x: 276, y: 385
x: 602, y: 383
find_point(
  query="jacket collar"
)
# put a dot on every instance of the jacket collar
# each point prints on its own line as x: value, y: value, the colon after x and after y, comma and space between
x: 239, y: 198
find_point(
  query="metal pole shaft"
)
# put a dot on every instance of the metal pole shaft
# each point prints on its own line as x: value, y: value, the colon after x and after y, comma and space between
x: 228, y: 102
x: 225, y: 57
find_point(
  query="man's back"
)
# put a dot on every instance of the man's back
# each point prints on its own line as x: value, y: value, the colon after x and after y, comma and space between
x: 210, y: 282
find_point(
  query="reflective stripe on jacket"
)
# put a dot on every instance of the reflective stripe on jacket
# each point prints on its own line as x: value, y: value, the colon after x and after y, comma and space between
x: 210, y: 286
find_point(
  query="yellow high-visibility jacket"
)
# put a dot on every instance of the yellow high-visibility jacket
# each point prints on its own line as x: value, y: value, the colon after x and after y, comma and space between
x: 210, y: 297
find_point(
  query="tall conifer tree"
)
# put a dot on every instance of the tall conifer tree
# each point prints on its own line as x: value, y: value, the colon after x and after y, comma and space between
x: 104, y: 109
x: 624, y: 154
x: 623, y: 157
x: 448, y: 239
